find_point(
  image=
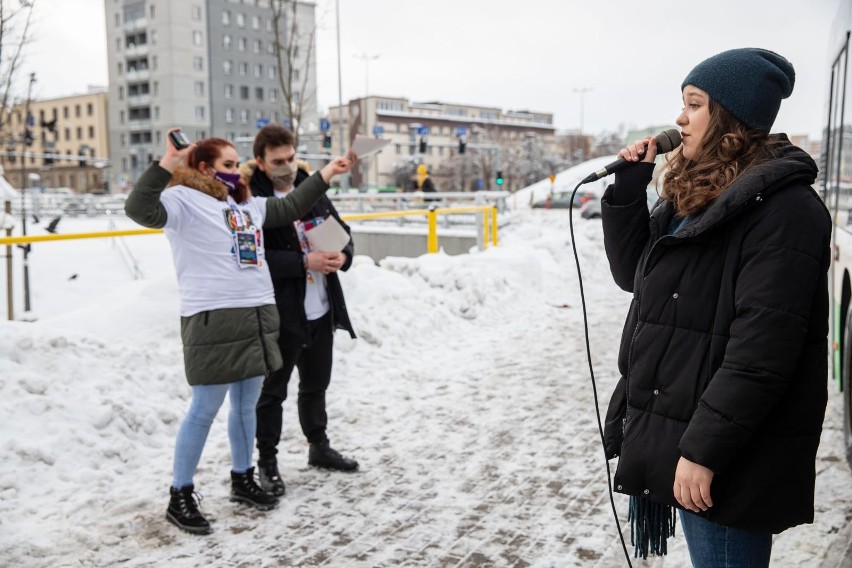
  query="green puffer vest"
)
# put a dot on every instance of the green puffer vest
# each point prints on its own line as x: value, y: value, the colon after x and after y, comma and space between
x: 230, y: 344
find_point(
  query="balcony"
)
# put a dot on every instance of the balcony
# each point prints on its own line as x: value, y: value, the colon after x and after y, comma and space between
x: 138, y: 75
x: 136, y: 25
x: 139, y: 100
x: 139, y: 124
x: 136, y: 50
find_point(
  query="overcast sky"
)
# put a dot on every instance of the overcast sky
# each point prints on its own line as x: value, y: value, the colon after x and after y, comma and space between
x: 631, y: 57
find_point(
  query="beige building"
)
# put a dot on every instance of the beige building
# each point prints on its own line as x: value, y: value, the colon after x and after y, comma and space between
x: 431, y: 133
x: 63, y: 130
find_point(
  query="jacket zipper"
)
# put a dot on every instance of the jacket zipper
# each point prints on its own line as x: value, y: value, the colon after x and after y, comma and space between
x: 262, y: 342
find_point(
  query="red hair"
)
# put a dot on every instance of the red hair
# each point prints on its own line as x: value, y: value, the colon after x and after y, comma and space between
x: 209, y: 150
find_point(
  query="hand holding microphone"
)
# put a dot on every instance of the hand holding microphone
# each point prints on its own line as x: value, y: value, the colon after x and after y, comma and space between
x: 646, y: 150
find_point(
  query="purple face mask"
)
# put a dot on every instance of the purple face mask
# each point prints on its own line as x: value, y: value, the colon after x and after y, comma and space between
x: 231, y: 181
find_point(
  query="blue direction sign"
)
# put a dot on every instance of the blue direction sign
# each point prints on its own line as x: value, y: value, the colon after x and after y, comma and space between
x: 422, y: 130
x: 286, y: 121
x: 325, y: 126
x: 461, y: 131
x: 261, y: 122
x: 378, y: 130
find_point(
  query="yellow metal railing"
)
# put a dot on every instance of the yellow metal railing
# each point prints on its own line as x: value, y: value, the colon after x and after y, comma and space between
x: 489, y: 226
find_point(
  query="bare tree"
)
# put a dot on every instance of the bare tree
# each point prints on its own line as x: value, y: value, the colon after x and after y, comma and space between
x: 288, y: 42
x: 15, y: 30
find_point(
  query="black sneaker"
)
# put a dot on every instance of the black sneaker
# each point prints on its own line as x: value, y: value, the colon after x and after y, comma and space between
x: 244, y: 489
x: 323, y: 455
x: 183, y: 511
x: 270, y: 479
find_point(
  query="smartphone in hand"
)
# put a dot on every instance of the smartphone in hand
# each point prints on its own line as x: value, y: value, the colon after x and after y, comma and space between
x: 179, y: 139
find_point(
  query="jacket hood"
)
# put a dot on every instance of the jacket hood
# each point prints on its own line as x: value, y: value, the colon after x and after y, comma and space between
x: 194, y: 179
x: 790, y: 165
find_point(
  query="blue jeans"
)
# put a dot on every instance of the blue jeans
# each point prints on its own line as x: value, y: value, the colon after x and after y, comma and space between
x: 206, y: 401
x: 716, y: 546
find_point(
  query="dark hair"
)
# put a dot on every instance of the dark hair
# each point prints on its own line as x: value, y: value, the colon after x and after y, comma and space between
x: 209, y: 150
x: 272, y: 136
x: 727, y: 149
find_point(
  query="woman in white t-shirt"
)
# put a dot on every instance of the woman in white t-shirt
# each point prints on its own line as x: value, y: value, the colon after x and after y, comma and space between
x: 229, y: 323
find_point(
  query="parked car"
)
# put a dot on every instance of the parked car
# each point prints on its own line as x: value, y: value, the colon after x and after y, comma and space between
x: 562, y: 200
x: 591, y: 209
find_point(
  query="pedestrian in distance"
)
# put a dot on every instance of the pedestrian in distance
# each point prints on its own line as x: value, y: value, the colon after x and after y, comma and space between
x: 229, y: 324
x: 720, y: 405
x: 310, y: 305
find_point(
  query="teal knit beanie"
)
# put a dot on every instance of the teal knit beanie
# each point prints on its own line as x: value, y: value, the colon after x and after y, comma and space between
x: 749, y: 83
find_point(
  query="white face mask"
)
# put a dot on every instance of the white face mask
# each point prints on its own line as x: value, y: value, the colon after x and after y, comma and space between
x: 283, y: 176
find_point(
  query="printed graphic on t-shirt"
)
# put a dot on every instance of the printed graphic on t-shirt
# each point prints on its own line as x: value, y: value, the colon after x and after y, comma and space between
x: 233, y: 221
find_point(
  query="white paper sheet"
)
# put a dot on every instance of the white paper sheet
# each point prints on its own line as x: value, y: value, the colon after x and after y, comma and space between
x: 364, y: 146
x: 328, y: 236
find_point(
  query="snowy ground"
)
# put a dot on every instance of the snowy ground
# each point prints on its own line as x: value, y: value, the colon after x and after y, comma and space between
x: 466, y: 399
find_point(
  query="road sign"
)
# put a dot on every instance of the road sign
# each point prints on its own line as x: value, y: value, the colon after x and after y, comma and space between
x: 552, y: 178
x: 423, y: 131
x: 378, y: 130
x: 261, y: 122
x: 461, y: 131
x: 286, y: 121
x: 325, y: 125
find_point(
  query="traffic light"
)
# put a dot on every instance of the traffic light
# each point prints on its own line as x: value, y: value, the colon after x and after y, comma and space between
x: 422, y: 144
x: 499, y: 180
x: 462, y: 145
x: 326, y: 140
x: 28, y: 137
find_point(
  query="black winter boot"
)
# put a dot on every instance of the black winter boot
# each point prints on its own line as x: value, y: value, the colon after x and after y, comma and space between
x: 323, y: 455
x: 245, y: 490
x: 183, y: 511
x: 270, y: 479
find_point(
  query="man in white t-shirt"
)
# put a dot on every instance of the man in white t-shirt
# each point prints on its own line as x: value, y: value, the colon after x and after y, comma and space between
x: 310, y: 305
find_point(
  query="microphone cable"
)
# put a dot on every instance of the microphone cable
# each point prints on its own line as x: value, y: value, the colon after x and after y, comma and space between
x: 592, y: 371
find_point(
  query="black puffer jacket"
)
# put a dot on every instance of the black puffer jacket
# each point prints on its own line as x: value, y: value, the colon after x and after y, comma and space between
x: 284, y: 255
x: 724, y: 352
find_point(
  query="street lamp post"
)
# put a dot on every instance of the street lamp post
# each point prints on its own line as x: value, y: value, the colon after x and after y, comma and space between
x: 366, y: 58
x: 24, y: 183
x: 344, y: 180
x: 582, y: 91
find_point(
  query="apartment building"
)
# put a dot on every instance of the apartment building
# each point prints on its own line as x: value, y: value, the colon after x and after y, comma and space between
x: 207, y: 66
x: 433, y: 133
x: 68, y: 143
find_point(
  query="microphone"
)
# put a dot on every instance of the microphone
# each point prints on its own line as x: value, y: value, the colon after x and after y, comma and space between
x: 666, y: 141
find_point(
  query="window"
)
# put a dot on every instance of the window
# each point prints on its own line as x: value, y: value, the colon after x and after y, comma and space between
x: 120, y: 68
x: 243, y: 68
x: 244, y: 93
x: 273, y: 95
x: 77, y: 111
x: 196, y: 13
x: 68, y: 132
x: 226, y: 42
x: 154, y: 62
x: 295, y: 51
x: 199, y: 88
x: 244, y: 116
x: 64, y: 114
x: 272, y: 72
x: 124, y: 140
x: 270, y: 48
x: 241, y: 20
x: 199, y: 113
x: 227, y: 66
x: 229, y: 91
x: 153, y: 37
x: 229, y: 115
x: 226, y: 18
x: 156, y: 88
x: 196, y: 38
x: 258, y: 71
x: 256, y: 46
x: 241, y: 44
x: 159, y: 138
x: 295, y: 74
x: 79, y: 133
x: 258, y: 94
x: 157, y: 113
x: 120, y: 93
x: 117, y: 20
x: 198, y: 63
x: 152, y: 11
x: 118, y: 44
x: 255, y: 22
x: 91, y: 132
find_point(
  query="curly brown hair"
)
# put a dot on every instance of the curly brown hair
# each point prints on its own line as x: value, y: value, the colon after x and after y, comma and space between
x: 728, y: 148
